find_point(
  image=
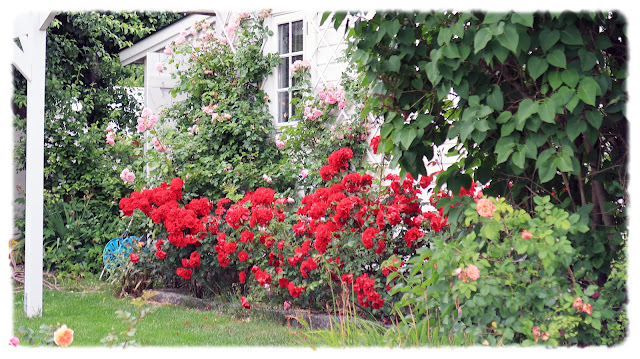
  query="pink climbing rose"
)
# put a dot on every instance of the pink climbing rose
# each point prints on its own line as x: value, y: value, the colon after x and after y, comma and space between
x: 127, y: 176
x: 485, y: 207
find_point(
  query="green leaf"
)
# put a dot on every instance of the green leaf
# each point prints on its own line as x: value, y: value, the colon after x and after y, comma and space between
x: 575, y: 127
x: 555, y: 80
x: 571, y: 36
x: 507, y: 128
x: 393, y: 64
x: 547, y: 111
x: 393, y: 27
x: 406, y: 136
x: 509, y: 38
x: 525, y: 19
x: 537, y: 66
x: 482, y: 125
x: 495, y: 100
x: 587, y: 90
x: 504, y: 117
x: 547, y: 171
x: 504, y: 148
x: 557, y: 58
x: 508, y: 334
x: 530, y: 149
x: 481, y: 39
x: 493, y: 17
x: 338, y: 17
x: 594, y: 117
x: 571, y: 105
x: 433, y: 74
x: 444, y: 36
x: 325, y: 16
x: 563, y: 162
x: 406, y: 36
x: 570, y: 77
x: 518, y: 159
x: 548, y: 38
x: 450, y: 51
x: 588, y: 59
x: 526, y: 108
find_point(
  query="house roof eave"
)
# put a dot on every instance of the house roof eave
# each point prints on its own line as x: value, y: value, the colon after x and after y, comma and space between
x: 158, y: 40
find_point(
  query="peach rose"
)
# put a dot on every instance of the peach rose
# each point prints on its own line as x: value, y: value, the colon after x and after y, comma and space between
x: 526, y: 234
x: 63, y: 336
x: 472, y: 272
x: 587, y: 308
x: 577, y: 303
x: 485, y: 208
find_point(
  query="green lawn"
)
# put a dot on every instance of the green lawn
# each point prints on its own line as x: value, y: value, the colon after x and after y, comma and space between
x: 90, y: 312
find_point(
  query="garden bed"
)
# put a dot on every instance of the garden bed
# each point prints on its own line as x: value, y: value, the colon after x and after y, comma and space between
x: 315, y: 320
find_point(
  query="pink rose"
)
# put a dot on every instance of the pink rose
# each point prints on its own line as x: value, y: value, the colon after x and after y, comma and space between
x: 159, y: 67
x: 127, y: 176
x: 485, y: 208
x: 280, y: 144
x: 14, y: 341
x: 304, y: 173
x: 526, y: 234
x: 472, y: 272
x: 110, y: 139
x: 266, y: 178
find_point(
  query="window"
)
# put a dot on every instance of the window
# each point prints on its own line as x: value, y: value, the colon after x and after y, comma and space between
x: 290, y: 48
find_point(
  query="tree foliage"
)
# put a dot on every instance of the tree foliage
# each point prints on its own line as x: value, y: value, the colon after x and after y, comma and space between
x: 535, y: 102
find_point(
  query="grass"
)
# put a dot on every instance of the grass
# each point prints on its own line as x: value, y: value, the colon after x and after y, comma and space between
x: 89, y: 309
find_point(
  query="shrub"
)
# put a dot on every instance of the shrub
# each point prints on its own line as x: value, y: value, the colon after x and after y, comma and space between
x: 500, y: 277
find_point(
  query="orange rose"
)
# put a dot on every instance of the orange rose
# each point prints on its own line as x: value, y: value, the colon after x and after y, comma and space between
x: 485, y: 208
x: 587, y: 308
x: 63, y: 336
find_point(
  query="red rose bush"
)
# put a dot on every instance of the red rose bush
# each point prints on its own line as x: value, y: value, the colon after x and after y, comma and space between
x: 338, y: 237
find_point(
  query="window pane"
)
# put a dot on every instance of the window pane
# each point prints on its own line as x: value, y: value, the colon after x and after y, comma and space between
x: 283, y: 36
x: 283, y: 73
x: 297, y: 34
x: 283, y: 106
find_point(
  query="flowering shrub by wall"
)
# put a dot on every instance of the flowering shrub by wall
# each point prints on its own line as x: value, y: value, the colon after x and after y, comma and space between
x: 327, y: 118
x: 498, y: 277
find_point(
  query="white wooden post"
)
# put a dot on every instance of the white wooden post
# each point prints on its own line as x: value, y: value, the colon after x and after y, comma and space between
x: 30, y: 61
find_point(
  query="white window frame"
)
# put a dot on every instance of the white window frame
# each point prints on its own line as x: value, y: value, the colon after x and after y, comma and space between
x: 274, y: 88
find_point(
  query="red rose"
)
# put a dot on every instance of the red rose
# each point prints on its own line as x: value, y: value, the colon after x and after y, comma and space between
x: 243, y: 277
x: 161, y: 254
x: 244, y: 302
x: 184, y: 273
x: 283, y: 282
x: 134, y: 257
x: 243, y: 256
x: 374, y: 144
